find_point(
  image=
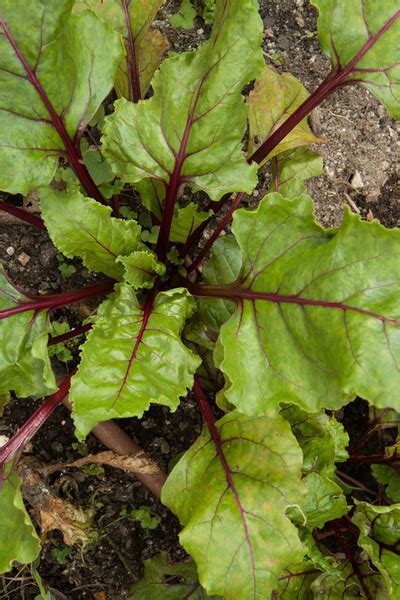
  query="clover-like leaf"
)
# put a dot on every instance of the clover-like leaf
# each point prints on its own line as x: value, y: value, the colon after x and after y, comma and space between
x: 239, y: 491
x: 274, y: 98
x: 46, y: 100
x: 292, y: 168
x: 190, y: 131
x: 362, y: 37
x: 380, y: 538
x: 144, y: 45
x: 18, y: 538
x: 82, y: 227
x: 133, y: 356
x: 141, y: 268
x: 328, y: 299
x: 24, y: 360
x: 163, y: 580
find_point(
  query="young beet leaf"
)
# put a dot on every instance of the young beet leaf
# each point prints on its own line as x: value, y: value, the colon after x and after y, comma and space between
x: 144, y: 45
x: 53, y: 77
x: 191, y: 130
x: 327, y: 299
x: 231, y: 490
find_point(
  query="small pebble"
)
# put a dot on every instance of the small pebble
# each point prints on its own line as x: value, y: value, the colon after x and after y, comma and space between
x: 24, y: 258
x: 10, y: 250
x: 3, y: 440
x: 356, y: 181
x: 200, y: 31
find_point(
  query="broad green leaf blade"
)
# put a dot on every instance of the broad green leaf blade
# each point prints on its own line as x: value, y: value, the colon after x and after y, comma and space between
x: 144, y: 45
x: 160, y: 581
x: 235, y: 520
x: 295, y: 582
x: 24, y: 360
x: 185, y: 16
x: 141, y: 268
x: 329, y: 299
x: 194, y: 123
x: 274, y: 98
x: 389, y: 477
x: 18, y: 538
x: 292, y: 169
x: 80, y: 226
x: 324, y: 501
x: 369, y: 31
x: 222, y: 267
x: 34, y: 74
x: 133, y: 356
x: 186, y: 220
x: 380, y: 538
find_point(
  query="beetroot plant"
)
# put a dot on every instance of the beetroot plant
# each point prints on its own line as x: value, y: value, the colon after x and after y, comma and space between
x: 273, y: 327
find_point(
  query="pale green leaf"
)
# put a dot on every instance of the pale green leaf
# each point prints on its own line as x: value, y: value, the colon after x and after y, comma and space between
x: 292, y: 169
x: 328, y: 299
x: 194, y: 123
x: 324, y: 501
x: 132, y: 19
x: 18, y: 538
x: 160, y: 581
x: 295, y: 582
x: 389, y: 477
x: 185, y: 16
x: 185, y: 221
x: 350, y: 28
x: 274, y: 98
x: 347, y: 586
x: 380, y: 538
x: 80, y: 226
x: 141, y: 268
x: 24, y: 360
x: 240, y: 508
x: 133, y: 357
x: 29, y: 143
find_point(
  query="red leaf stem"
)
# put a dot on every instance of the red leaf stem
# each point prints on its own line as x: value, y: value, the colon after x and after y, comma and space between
x: 68, y: 335
x: 351, y: 558
x: 72, y: 148
x: 36, y: 303
x: 22, y: 214
x: 33, y: 424
x: 132, y: 58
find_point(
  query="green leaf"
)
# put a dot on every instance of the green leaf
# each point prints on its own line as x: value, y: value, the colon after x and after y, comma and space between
x: 380, y: 538
x: 141, y: 268
x: 160, y: 581
x: 389, y: 477
x: 80, y: 226
x: 132, y: 20
x: 295, y: 582
x: 328, y: 299
x: 60, y: 350
x: 18, y: 538
x: 24, y: 360
x: 240, y: 506
x: 347, y: 586
x: 194, y: 123
x: 186, y: 220
x: 293, y: 168
x: 133, y: 356
x: 347, y: 28
x: 324, y: 501
x: 40, y: 75
x: 185, y: 16
x: 274, y: 98
x: 208, y: 11
x: 98, y: 168
x: 145, y: 516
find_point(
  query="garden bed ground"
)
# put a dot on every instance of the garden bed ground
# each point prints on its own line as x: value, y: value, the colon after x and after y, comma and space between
x: 360, y: 166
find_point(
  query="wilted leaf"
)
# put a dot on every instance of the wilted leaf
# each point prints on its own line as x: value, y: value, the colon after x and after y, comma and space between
x: 133, y: 356
x: 274, y: 98
x: 41, y: 92
x: 244, y: 500
x: 194, y: 123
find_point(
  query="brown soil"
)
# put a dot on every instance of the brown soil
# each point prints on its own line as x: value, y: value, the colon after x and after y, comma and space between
x: 362, y: 147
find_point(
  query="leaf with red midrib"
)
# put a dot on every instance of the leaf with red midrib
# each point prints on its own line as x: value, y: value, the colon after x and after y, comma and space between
x: 133, y: 357
x: 318, y: 311
x: 235, y: 498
